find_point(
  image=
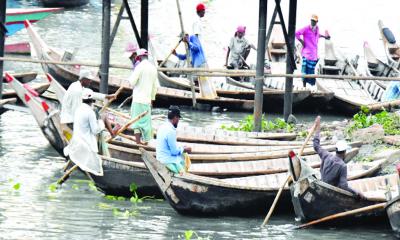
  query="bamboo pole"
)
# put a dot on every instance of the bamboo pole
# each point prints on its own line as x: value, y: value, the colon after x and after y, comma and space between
x: 66, y: 175
x: 132, y: 121
x: 112, y: 100
x: 343, y: 214
x: 387, y: 105
x: 278, y: 195
x: 187, y: 54
x: 169, y: 55
x: 214, y: 72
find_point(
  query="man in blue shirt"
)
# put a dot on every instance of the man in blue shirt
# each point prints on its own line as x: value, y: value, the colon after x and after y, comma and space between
x: 167, y: 150
x: 198, y: 59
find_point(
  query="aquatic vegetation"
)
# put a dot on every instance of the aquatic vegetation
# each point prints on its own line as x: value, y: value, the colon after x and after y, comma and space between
x: 389, y: 121
x: 17, y: 186
x: 75, y: 187
x: 53, y: 187
x: 127, y: 213
x: 104, y: 206
x: 247, y: 125
x: 135, y: 198
x: 189, y: 234
x: 114, y: 198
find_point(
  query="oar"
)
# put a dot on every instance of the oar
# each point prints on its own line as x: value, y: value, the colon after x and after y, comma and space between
x: 66, y: 175
x: 343, y: 214
x: 109, y: 102
x: 278, y: 195
x: 172, y: 51
x: 133, y: 120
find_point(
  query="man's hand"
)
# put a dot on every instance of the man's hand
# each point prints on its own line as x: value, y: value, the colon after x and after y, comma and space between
x: 302, y: 42
x: 187, y: 149
x: 111, y: 97
x: 174, y: 52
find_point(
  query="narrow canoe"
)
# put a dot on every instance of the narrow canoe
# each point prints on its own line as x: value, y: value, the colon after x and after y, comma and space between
x: 15, y: 17
x: 65, y: 3
x: 6, y: 101
x: 393, y: 212
x: 38, y: 87
x: 21, y: 48
x: 191, y: 194
x: 24, y: 77
x: 313, y: 199
x: 392, y: 50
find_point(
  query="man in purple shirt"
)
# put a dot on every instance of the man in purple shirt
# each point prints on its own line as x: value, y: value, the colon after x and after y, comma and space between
x: 333, y: 169
x: 308, y: 37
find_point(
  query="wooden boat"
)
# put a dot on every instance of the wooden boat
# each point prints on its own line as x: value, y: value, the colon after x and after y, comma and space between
x: 165, y: 96
x: 15, y: 17
x: 392, y: 50
x: 349, y: 96
x: 313, y: 199
x: 191, y: 194
x: 273, y: 99
x: 376, y: 67
x: 6, y: 101
x: 24, y: 77
x: 393, y: 212
x: 64, y: 3
x: 38, y: 87
x: 21, y: 48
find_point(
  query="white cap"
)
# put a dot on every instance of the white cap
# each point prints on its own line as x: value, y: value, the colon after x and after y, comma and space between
x: 85, y: 73
x: 342, y: 145
x: 142, y: 52
x: 87, y: 94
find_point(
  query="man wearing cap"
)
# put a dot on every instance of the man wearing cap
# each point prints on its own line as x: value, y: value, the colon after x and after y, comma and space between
x: 83, y: 148
x: 238, y: 49
x: 73, y: 96
x: 308, y: 37
x: 167, y: 151
x: 333, y: 168
x: 198, y: 23
x: 131, y: 53
x: 144, y: 82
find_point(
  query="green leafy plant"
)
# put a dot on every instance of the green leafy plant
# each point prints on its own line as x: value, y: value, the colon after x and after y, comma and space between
x: 247, y: 125
x: 53, y: 187
x: 17, y: 186
x: 363, y: 119
x: 189, y: 234
x: 135, y: 198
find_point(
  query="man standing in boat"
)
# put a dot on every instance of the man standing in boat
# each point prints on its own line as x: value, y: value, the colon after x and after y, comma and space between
x: 144, y: 82
x: 197, y: 26
x: 198, y: 59
x: 167, y: 151
x: 83, y: 148
x: 333, y: 168
x: 308, y: 37
x: 73, y: 96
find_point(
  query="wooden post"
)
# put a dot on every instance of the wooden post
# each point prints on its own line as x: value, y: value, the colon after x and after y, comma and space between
x: 116, y: 24
x: 270, y: 28
x: 105, y: 48
x: 288, y: 100
x: 132, y: 21
x: 2, y: 38
x: 188, y: 56
x: 144, y: 23
x: 258, y: 96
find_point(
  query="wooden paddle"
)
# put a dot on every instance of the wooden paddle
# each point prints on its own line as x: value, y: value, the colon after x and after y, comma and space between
x: 278, y: 195
x: 172, y: 51
x: 133, y: 120
x: 66, y: 175
x: 343, y: 214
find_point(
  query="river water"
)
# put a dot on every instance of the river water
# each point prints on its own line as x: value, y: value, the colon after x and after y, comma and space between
x: 31, y: 209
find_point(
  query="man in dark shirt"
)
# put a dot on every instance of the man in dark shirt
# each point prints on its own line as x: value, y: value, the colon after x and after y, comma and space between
x: 333, y: 168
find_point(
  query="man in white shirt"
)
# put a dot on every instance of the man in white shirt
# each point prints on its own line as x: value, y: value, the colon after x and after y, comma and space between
x: 73, y: 97
x: 144, y: 82
x: 83, y: 149
x: 197, y: 24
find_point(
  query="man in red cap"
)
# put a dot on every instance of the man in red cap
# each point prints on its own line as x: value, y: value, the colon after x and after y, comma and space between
x: 197, y: 24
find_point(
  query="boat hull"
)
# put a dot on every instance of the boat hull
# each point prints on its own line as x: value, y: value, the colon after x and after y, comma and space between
x: 64, y: 3
x: 393, y: 212
x: 317, y: 200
